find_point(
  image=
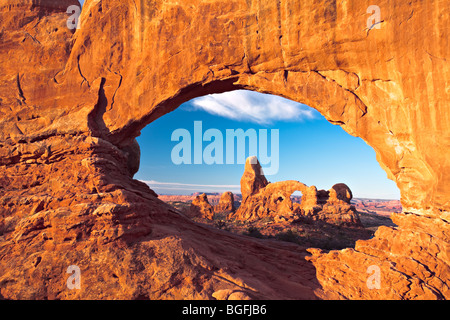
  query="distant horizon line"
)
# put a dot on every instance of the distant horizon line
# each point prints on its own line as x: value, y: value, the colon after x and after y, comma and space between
x: 183, y: 189
x: 218, y: 193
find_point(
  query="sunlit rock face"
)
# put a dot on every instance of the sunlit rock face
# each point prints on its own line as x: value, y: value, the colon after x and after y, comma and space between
x: 201, y: 208
x: 226, y: 203
x: 261, y: 199
x: 73, y: 102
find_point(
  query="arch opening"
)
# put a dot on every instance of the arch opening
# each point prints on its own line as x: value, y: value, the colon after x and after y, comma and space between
x: 296, y: 197
x: 188, y: 152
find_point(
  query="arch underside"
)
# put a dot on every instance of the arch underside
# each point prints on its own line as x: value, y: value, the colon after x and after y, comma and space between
x: 69, y: 152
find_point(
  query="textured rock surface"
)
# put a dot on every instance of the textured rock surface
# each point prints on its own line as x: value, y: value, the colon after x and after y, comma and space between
x: 226, y: 203
x: 200, y: 207
x: 273, y: 200
x: 253, y: 178
x: 411, y: 262
x: 341, y: 192
x: 71, y: 106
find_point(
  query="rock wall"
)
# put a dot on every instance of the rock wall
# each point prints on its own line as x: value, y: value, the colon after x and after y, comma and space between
x: 72, y: 104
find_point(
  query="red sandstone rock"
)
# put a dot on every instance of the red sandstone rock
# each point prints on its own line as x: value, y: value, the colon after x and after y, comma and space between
x: 273, y: 200
x: 253, y: 178
x: 341, y: 192
x: 71, y: 105
x: 226, y: 203
x: 200, y: 207
x: 403, y: 263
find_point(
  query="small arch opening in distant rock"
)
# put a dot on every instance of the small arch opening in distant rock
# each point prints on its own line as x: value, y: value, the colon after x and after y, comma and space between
x: 296, y: 197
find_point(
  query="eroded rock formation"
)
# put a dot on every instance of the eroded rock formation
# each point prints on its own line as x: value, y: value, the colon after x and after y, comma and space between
x: 273, y: 200
x: 72, y: 104
x: 226, y: 203
x: 253, y: 178
x: 409, y: 262
x: 200, y: 207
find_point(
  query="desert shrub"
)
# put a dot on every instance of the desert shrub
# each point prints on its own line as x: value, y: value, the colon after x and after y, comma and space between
x: 254, y: 232
x: 220, y: 216
x: 221, y: 224
x: 289, y: 236
x: 335, y: 244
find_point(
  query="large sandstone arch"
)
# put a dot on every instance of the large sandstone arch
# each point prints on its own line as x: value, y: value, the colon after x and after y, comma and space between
x: 72, y: 105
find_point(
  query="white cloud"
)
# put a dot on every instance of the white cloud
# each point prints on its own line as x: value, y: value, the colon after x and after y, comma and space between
x: 176, y: 186
x: 244, y: 105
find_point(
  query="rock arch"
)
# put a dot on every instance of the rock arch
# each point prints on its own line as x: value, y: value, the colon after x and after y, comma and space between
x: 72, y: 104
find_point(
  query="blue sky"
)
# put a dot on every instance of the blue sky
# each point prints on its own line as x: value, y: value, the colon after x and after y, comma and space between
x: 311, y: 149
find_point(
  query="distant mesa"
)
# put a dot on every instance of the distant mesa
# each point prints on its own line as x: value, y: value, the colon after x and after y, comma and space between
x: 207, y: 193
x: 261, y: 199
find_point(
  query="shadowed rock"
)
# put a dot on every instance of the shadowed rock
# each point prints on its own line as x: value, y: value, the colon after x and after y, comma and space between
x: 341, y: 192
